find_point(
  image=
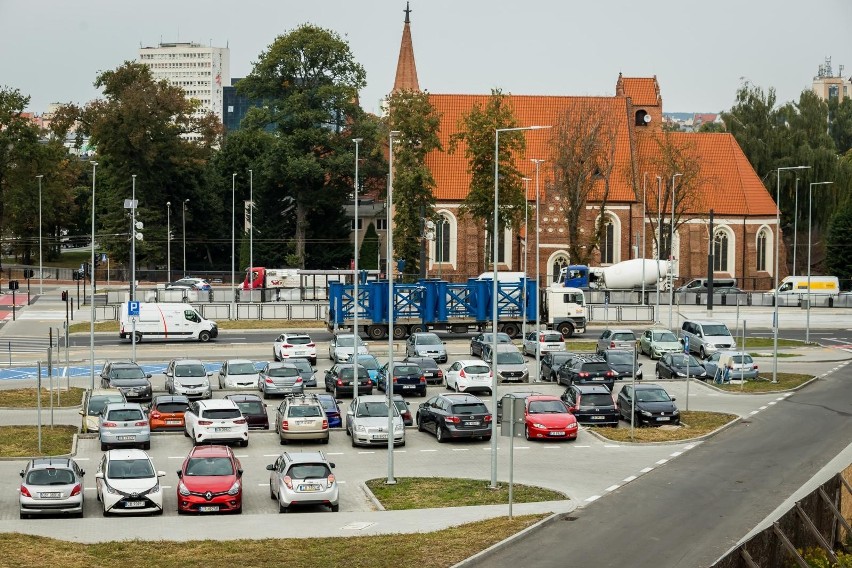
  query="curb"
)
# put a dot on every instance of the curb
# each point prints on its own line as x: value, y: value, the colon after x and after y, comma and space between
x: 701, y: 438
x: 376, y: 503
x: 495, y: 548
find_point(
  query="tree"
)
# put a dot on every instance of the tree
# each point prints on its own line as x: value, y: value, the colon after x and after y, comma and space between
x: 838, y: 248
x: 712, y: 127
x: 414, y: 117
x: 840, y: 124
x: 368, y: 255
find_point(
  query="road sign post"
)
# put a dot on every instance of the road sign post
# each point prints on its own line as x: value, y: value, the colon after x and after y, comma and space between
x: 133, y: 313
x: 686, y: 351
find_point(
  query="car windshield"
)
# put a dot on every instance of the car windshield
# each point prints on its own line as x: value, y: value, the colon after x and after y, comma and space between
x: 477, y: 369
x: 242, y: 369
x: 368, y: 362
x: 298, y: 339
x: 305, y: 411
x: 626, y: 336
x: 283, y: 372
x: 428, y: 340
x: 251, y: 407
x: 621, y: 357
x: 470, y: 408
x: 347, y: 341
x: 190, y: 371
x: 129, y: 469
x: 221, y: 413
x: 426, y: 364
x: 127, y: 373
x: 172, y: 407
x: 374, y: 410
x: 681, y: 360
x: 302, y: 364
x: 546, y: 407
x: 50, y: 476
x: 309, y: 471
x: 652, y: 395
x: 124, y: 414
x: 328, y: 403
x: 664, y: 337
x: 716, y: 330
x: 98, y: 403
x: 209, y: 466
x: 510, y: 358
x: 596, y: 399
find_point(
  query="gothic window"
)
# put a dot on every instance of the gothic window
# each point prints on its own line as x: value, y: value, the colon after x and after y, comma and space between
x: 720, y: 252
x: 762, y: 238
x: 442, y: 240
x: 559, y: 263
x: 608, y: 243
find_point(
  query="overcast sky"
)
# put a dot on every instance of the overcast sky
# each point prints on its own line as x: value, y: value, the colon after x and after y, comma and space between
x: 699, y: 51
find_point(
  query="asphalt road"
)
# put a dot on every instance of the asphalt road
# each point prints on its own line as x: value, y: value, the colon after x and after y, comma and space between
x: 696, y: 507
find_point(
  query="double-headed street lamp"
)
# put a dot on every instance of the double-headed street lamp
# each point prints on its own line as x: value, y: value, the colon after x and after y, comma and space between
x: 168, y: 241
x: 40, y: 261
x: 777, y: 247
x: 526, y: 181
x: 185, y: 201
x: 389, y: 376
x: 808, y: 318
x: 495, y: 289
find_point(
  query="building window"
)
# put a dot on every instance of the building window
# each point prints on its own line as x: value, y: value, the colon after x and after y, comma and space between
x: 442, y: 240
x: 382, y: 224
x: 360, y: 224
x: 501, y: 246
x: 559, y: 263
x: 762, y: 238
x: 608, y: 243
x: 720, y: 252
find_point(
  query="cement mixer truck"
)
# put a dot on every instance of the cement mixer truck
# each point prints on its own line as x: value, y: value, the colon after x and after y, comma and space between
x: 627, y: 275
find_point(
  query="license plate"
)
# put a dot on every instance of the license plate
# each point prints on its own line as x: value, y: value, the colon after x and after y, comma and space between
x: 126, y: 438
x: 303, y: 422
x: 597, y: 379
x: 50, y: 495
x: 472, y: 423
x: 557, y: 433
x: 310, y: 487
x: 407, y: 386
x: 172, y: 421
x: 208, y: 508
x: 134, y: 504
x: 663, y: 418
x: 598, y: 417
x: 132, y: 393
x: 299, y: 352
x: 221, y: 429
x: 380, y: 436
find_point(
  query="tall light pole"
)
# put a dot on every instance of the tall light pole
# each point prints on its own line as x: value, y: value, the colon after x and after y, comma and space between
x: 355, y: 328
x: 168, y: 241
x: 808, y: 325
x: 495, y: 289
x: 644, y: 184
x: 671, y: 253
x: 526, y: 252
x: 185, y: 201
x: 659, y: 239
x: 40, y: 261
x: 775, y: 275
x: 131, y: 203
x: 92, y: 297
x: 389, y: 377
x: 251, y: 237
x: 795, y: 224
x: 233, y: 243
x: 537, y: 270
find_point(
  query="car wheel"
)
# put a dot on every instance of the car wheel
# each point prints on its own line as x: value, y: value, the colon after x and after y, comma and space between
x: 138, y: 337
x: 336, y: 394
x: 104, y: 447
x: 157, y: 513
x: 313, y: 361
x: 354, y: 443
x: 24, y: 515
x: 701, y: 352
x: 244, y: 443
x: 194, y: 441
x: 271, y: 492
x: 335, y: 508
x: 419, y: 424
x: 447, y: 385
x: 486, y: 438
x: 325, y: 440
x: 439, y: 434
x: 527, y: 433
x: 281, y: 507
x: 204, y: 336
x: 146, y: 446
x: 105, y: 512
x: 275, y: 355
x: 657, y: 374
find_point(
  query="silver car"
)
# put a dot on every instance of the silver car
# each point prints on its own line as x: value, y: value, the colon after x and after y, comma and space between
x: 237, y: 374
x: 188, y: 377
x: 511, y: 365
x: 367, y: 422
x: 280, y: 379
x: 342, y: 347
x: 124, y: 424
x: 51, y: 486
x: 303, y: 478
x: 426, y: 344
x: 740, y: 366
x: 616, y: 339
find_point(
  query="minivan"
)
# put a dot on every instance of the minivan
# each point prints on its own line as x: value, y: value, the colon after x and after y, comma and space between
x: 706, y: 337
x: 702, y: 285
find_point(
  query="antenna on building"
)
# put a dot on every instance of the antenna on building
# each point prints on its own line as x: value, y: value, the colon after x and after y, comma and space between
x: 840, y: 73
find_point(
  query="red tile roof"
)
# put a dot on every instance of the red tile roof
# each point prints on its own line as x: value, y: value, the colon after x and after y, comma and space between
x: 406, y: 69
x: 643, y: 91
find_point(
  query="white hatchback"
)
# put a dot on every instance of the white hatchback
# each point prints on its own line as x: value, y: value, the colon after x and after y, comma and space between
x: 127, y: 483
x: 216, y: 419
x: 545, y: 341
x: 290, y: 344
x: 468, y: 375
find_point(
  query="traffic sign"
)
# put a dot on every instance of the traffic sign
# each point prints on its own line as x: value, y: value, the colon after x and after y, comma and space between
x: 686, y: 344
x: 133, y: 309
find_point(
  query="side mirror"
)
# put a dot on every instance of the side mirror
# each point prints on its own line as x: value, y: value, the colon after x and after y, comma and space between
x: 22, y: 473
x: 168, y: 374
x: 82, y: 472
x: 148, y: 375
x: 271, y: 467
x: 331, y: 464
x: 339, y: 401
x: 239, y: 473
x: 179, y: 474
x: 209, y: 373
x: 161, y: 474
x: 673, y: 399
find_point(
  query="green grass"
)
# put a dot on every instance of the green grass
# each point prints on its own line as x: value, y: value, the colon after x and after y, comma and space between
x: 22, y: 441
x: 780, y: 355
x: 578, y: 346
x: 759, y: 342
x: 436, y: 549
x: 70, y: 259
x: 436, y: 492
x: 26, y: 398
x: 786, y: 381
x: 694, y: 423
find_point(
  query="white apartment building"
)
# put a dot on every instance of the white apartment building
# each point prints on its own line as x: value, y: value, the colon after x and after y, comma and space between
x: 201, y: 71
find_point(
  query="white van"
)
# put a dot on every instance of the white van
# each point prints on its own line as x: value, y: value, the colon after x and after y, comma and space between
x: 820, y: 286
x: 167, y: 321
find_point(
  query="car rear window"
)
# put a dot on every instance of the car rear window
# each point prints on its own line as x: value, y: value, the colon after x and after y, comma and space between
x: 477, y: 369
x: 251, y: 407
x: 190, y: 371
x: 620, y: 357
x: 623, y: 337
x: 124, y: 414
x: 552, y: 337
x: 596, y: 399
x: 594, y: 367
x: 427, y: 364
x: 173, y: 407
x: 739, y: 359
x: 302, y: 364
x: 470, y: 408
x: 221, y: 413
x: 298, y: 339
x: 305, y: 411
x: 309, y: 471
x: 546, y: 407
x: 368, y: 362
x: 346, y: 373
x: 406, y: 370
x: 401, y: 406
x: 329, y: 404
x: 50, y: 476
x: 209, y: 466
x: 283, y: 372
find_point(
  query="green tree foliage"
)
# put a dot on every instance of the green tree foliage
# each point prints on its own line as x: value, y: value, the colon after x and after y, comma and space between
x: 368, y: 255
x: 414, y: 117
x: 840, y: 124
x: 712, y: 127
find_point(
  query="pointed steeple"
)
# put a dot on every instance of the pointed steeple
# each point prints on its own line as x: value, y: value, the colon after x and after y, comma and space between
x: 406, y: 70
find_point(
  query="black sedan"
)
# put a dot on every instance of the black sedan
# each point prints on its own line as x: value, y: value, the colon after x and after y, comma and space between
x: 338, y: 380
x: 129, y: 378
x: 653, y: 405
x: 677, y: 365
x: 434, y: 375
x: 454, y: 416
x: 623, y: 363
x: 480, y: 340
x: 253, y: 409
x: 407, y: 379
x: 550, y: 364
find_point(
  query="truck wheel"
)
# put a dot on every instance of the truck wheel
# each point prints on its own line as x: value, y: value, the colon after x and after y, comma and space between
x: 204, y: 336
x: 566, y: 329
x: 376, y: 332
x: 418, y: 328
x: 511, y: 330
x: 399, y: 332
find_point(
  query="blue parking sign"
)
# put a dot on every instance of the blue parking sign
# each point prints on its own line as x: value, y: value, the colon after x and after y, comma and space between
x: 133, y: 309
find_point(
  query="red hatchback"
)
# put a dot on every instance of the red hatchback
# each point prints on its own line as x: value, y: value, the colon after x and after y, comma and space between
x: 547, y: 417
x: 210, y: 481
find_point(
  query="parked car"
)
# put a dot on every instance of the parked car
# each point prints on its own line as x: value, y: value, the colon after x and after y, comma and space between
x: 677, y: 365
x: 550, y: 364
x: 653, y: 405
x: 426, y: 344
x: 124, y: 424
x: 407, y: 378
x: 280, y: 379
x: 127, y: 483
x: 166, y: 412
x: 623, y: 363
x: 210, y: 481
x: 188, y: 377
x: 372, y: 365
x: 706, y: 337
x: 404, y: 408
x: 454, y: 416
x: 303, y: 478
x: 332, y: 410
x: 543, y: 341
x: 94, y: 402
x: 546, y: 417
x: 656, y: 342
x: 189, y: 284
x: 238, y: 374
x: 478, y: 341
x: 469, y: 375
x: 434, y: 375
x: 301, y: 417
x: 253, y: 410
x: 217, y: 420
x: 129, y: 378
x: 616, y: 339
x: 339, y: 380
x: 294, y: 344
x: 342, y: 347
x: 586, y: 369
x: 306, y: 371
x: 741, y: 366
x: 511, y: 365
x: 51, y: 486
x: 367, y: 422
x: 591, y: 404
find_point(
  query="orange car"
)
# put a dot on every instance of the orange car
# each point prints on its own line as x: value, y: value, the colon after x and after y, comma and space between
x: 166, y: 412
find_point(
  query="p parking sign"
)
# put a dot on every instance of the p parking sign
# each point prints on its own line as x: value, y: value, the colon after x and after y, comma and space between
x: 133, y: 309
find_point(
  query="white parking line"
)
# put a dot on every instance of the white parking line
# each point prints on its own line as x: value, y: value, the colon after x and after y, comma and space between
x: 276, y: 455
x: 81, y: 459
x: 764, y: 407
x: 646, y: 470
x: 629, y: 479
x: 403, y: 451
x: 521, y: 447
x: 662, y: 461
x: 169, y: 486
x: 593, y: 498
x: 90, y: 488
x: 753, y: 412
x: 181, y: 457
x: 770, y: 404
x: 430, y: 450
x: 612, y: 488
x: 461, y: 449
x: 689, y: 447
x: 608, y: 445
x: 780, y: 398
x: 267, y: 484
x: 582, y: 446
x: 246, y: 455
x: 548, y: 447
x: 366, y: 452
x: 673, y: 454
x: 335, y: 453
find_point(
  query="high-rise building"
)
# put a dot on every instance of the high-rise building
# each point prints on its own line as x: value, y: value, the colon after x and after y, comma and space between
x: 828, y: 86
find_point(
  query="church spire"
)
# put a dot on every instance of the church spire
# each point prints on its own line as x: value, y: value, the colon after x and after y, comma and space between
x: 406, y: 69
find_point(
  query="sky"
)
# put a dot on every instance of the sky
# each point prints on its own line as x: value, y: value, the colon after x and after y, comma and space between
x: 700, y: 51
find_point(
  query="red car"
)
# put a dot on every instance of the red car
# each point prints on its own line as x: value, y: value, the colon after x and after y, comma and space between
x: 547, y: 417
x: 210, y: 481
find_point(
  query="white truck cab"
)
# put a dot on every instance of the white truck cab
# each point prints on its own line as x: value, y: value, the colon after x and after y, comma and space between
x: 566, y: 309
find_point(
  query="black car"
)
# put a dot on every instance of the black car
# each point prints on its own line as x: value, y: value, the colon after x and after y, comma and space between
x: 622, y: 363
x: 653, y: 405
x: 550, y: 364
x: 480, y: 340
x: 338, y: 380
x: 591, y: 404
x: 434, y: 375
x: 402, y: 406
x: 677, y: 365
x: 253, y: 409
x: 407, y: 379
x: 586, y: 369
x: 129, y: 378
x: 454, y: 416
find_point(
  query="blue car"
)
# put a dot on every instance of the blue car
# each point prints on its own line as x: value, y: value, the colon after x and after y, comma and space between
x: 370, y: 363
x: 332, y: 410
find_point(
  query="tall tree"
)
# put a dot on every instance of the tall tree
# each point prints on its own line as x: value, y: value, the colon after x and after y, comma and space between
x: 368, y: 255
x: 414, y: 117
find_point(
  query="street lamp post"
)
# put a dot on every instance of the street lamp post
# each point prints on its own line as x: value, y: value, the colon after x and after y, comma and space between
x: 92, y: 297
x: 644, y: 184
x: 808, y: 317
x: 537, y: 270
x: 251, y: 237
x: 389, y: 377
x: 526, y: 254
x: 168, y: 241
x: 775, y: 275
x: 355, y: 281
x: 795, y: 224
x: 671, y: 253
x: 659, y: 240
x: 185, y: 201
x: 233, y: 242
x: 133, y: 234
x: 40, y: 260
x: 495, y: 290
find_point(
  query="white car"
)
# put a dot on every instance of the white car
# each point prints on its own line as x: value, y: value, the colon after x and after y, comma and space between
x: 189, y: 284
x: 238, y: 374
x: 217, y: 420
x: 127, y: 483
x: 342, y: 347
x: 468, y: 375
x: 367, y: 422
x: 545, y: 341
x: 291, y: 344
